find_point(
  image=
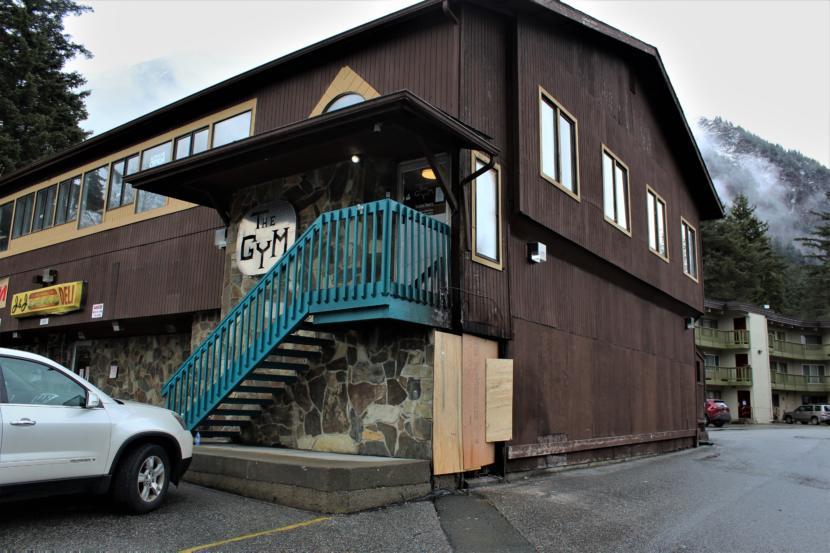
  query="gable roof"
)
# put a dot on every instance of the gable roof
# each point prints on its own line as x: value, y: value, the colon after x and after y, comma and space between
x: 710, y: 204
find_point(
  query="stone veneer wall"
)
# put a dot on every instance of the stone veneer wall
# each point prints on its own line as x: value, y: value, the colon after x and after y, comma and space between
x: 144, y: 364
x: 371, y: 393
x: 204, y: 322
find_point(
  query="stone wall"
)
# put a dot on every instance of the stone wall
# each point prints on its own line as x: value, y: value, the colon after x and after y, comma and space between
x: 204, y: 322
x: 144, y: 363
x: 371, y: 393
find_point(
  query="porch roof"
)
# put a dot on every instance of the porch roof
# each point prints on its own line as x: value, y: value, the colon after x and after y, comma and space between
x: 399, y: 126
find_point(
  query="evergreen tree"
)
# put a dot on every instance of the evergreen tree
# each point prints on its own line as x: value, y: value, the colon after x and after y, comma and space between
x: 40, y: 104
x: 817, y: 289
x: 739, y: 261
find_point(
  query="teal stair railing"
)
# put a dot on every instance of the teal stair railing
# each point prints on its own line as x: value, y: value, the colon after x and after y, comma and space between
x: 381, y: 257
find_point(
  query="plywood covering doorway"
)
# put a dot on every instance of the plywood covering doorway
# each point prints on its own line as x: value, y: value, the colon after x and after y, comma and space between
x: 459, y: 441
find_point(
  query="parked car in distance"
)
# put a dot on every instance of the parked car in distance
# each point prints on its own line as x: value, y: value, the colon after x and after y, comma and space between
x: 717, y: 412
x: 60, y: 434
x: 812, y: 414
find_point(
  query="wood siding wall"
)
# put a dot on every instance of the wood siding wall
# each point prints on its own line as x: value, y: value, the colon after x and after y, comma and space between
x: 610, y: 98
x: 163, y: 266
x: 486, y: 75
x: 422, y: 58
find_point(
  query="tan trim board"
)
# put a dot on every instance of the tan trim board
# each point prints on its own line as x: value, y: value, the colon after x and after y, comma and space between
x: 684, y: 221
x: 498, y: 265
x: 666, y: 257
x: 117, y: 216
x: 627, y: 231
x: 346, y: 80
x: 545, y: 96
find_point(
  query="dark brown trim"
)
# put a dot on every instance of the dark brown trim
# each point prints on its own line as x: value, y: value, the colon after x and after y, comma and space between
x: 558, y: 448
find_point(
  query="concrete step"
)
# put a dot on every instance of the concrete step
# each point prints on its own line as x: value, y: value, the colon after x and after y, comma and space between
x: 282, y: 366
x: 307, y: 340
x: 251, y: 389
x: 238, y: 412
x: 297, y: 353
x: 325, y: 482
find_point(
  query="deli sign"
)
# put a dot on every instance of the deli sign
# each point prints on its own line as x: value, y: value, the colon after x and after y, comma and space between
x: 264, y: 234
x: 52, y: 300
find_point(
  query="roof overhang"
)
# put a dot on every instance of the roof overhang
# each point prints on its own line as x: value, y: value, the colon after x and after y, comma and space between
x: 396, y: 126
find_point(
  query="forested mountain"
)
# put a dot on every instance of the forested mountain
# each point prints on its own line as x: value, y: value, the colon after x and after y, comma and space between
x: 785, y: 186
x: 771, y: 248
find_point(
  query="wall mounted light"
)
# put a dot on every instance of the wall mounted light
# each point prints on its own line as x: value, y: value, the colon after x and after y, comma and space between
x: 428, y: 174
x: 537, y: 252
x: 690, y: 323
x: 116, y: 326
x: 220, y: 238
x: 355, y: 158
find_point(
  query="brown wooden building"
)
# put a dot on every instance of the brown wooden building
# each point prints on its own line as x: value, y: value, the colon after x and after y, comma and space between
x: 567, y: 189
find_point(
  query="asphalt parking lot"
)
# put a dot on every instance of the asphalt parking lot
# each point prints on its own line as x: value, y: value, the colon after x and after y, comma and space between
x: 757, y: 489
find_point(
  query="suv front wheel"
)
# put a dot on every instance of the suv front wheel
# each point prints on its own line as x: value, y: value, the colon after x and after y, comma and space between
x: 142, y: 479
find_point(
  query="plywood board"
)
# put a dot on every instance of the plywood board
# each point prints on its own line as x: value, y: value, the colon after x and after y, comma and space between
x: 499, y: 400
x: 447, y: 455
x: 475, y: 352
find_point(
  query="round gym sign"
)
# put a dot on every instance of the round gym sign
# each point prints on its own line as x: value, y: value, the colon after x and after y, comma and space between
x: 265, y: 233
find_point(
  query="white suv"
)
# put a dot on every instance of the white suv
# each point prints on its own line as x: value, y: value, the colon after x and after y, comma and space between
x: 61, y: 434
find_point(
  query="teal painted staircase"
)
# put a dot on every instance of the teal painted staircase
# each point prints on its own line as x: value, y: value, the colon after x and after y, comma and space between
x: 380, y: 260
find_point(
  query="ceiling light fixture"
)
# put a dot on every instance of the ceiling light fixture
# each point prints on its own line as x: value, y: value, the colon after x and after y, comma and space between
x: 428, y: 174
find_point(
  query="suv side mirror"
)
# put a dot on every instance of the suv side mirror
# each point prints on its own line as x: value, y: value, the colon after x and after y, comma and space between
x: 92, y: 401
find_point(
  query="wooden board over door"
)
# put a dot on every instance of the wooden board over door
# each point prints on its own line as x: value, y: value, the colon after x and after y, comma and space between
x: 474, y: 355
x: 447, y: 454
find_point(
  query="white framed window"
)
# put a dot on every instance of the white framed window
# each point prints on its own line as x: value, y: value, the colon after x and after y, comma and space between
x: 688, y: 246
x: 486, y: 215
x: 658, y: 241
x: 558, y: 151
x: 615, y: 191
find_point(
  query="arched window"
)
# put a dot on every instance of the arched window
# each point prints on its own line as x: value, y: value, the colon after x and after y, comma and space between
x: 344, y: 101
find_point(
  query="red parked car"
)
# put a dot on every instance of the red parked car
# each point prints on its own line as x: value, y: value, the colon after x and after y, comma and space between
x: 717, y: 412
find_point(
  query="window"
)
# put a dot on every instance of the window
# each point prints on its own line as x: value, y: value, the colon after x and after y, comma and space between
x: 5, y: 225
x: 344, y: 101
x: 487, y: 215
x: 708, y: 323
x: 232, y: 129
x: 814, y: 373
x: 93, y: 197
x: 688, y: 246
x: 44, y: 208
x: 153, y: 157
x: 68, y: 193
x: 779, y: 367
x: 811, y: 339
x: 558, y: 157
x: 30, y: 383
x: 191, y: 143
x: 615, y: 191
x: 656, y: 213
x: 711, y: 360
x: 23, y: 215
x: 121, y: 192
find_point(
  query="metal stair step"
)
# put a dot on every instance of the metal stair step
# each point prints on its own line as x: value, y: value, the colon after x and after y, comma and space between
x: 238, y: 412
x: 282, y: 365
x: 214, y: 422
x: 298, y: 353
x: 257, y: 389
x: 271, y: 378
x: 307, y: 340
x: 246, y: 401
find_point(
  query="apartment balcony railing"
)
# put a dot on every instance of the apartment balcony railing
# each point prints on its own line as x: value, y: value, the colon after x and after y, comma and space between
x: 800, y: 382
x: 797, y: 350
x: 728, y: 339
x: 729, y: 376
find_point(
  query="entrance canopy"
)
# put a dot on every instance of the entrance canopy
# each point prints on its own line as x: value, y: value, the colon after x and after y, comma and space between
x: 398, y: 126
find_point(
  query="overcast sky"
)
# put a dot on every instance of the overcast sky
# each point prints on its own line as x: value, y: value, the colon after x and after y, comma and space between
x: 764, y: 65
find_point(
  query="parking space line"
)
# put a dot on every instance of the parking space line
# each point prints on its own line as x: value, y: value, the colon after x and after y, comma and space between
x: 256, y: 535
